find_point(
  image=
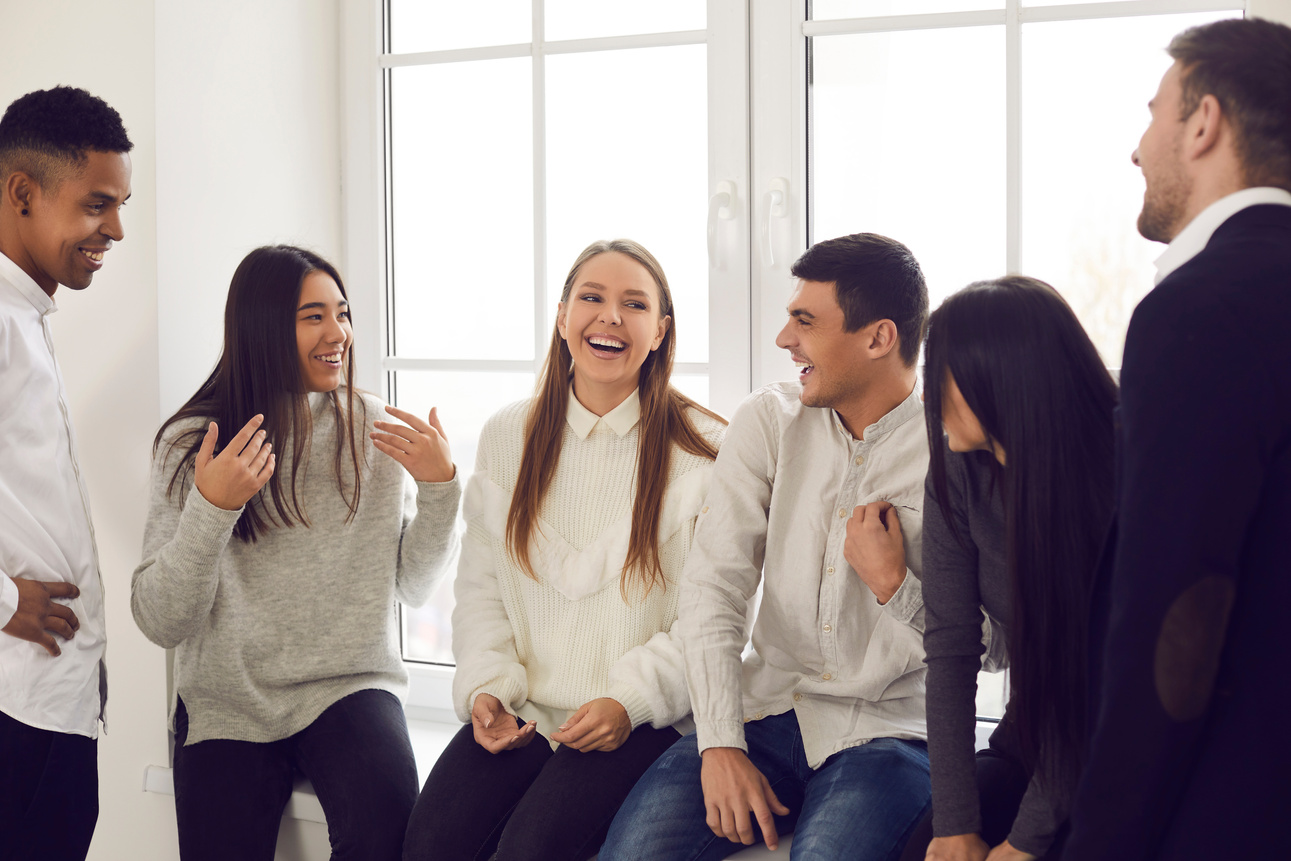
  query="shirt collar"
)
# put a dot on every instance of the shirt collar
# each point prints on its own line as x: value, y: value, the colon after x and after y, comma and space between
x: 1193, y: 238
x: 895, y: 417
x: 621, y: 419
x: 26, y: 286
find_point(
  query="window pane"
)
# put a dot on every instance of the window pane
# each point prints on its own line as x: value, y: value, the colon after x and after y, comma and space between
x: 462, y: 199
x: 466, y: 400
x: 627, y: 138
x: 1081, y: 195
x: 904, y: 149
x: 825, y: 9
x: 416, y: 25
x: 991, y: 692
x: 693, y: 386
x: 586, y: 19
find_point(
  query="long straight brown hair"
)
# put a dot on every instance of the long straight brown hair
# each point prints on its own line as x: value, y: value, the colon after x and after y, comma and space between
x: 259, y: 373
x: 664, y: 422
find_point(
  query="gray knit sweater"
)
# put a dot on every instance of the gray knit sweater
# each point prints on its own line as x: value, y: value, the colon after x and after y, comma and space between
x: 958, y: 583
x: 268, y: 634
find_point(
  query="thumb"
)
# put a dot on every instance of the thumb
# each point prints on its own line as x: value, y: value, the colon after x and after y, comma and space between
x: 894, y: 522
x: 207, y: 451
x: 433, y: 421
x: 575, y: 717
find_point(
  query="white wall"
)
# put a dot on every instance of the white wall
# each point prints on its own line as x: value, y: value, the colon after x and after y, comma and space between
x: 233, y: 109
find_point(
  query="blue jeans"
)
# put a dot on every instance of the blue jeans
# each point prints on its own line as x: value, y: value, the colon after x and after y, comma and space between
x: 861, y: 804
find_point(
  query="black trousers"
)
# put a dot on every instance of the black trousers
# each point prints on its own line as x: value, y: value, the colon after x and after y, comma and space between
x: 1002, y: 780
x: 530, y: 803
x: 230, y: 795
x: 49, y: 792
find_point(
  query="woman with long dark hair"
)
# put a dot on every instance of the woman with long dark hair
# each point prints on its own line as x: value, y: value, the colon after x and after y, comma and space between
x: 1019, y: 495
x: 274, y: 558
x: 579, y: 518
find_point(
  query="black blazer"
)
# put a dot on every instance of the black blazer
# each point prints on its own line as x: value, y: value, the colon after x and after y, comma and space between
x: 1190, y: 756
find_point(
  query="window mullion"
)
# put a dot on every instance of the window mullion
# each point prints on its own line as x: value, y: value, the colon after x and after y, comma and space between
x: 1013, y: 135
x: 540, y: 297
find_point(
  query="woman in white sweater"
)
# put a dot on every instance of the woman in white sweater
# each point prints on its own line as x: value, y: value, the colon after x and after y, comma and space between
x: 579, y: 518
x: 273, y: 566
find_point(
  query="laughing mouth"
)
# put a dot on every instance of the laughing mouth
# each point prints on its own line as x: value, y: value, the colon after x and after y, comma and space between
x: 804, y: 367
x: 603, y: 342
x: 95, y: 255
x: 333, y: 359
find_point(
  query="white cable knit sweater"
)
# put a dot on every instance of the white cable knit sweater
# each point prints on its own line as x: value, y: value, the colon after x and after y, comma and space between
x: 545, y: 648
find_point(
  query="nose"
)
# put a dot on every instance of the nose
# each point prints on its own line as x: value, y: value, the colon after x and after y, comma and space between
x: 336, y: 332
x: 1134, y: 157
x: 609, y: 314
x: 784, y: 340
x: 111, y: 226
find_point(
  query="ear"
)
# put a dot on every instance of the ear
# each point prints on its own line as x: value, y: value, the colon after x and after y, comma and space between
x: 883, y: 338
x: 19, y: 191
x: 664, y: 323
x: 1205, y: 128
x: 560, y: 320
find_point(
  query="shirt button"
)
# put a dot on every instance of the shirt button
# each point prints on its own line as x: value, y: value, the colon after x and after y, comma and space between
x: 797, y: 697
x: 704, y: 510
x: 842, y: 512
x: 827, y: 677
x: 827, y: 629
x: 829, y: 570
x: 859, y: 460
x: 758, y: 716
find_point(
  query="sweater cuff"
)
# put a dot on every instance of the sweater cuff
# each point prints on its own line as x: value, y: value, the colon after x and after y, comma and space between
x: 433, y: 492
x: 639, y: 711
x: 506, y: 689
x: 907, y: 600
x: 1032, y: 844
x: 720, y: 733
x: 205, y: 529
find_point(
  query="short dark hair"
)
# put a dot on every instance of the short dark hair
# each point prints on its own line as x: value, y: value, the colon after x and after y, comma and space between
x: 46, y: 133
x: 875, y: 278
x: 1245, y: 63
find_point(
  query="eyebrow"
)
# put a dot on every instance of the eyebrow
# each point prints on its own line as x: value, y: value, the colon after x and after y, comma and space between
x: 799, y: 312
x: 108, y: 198
x: 343, y: 304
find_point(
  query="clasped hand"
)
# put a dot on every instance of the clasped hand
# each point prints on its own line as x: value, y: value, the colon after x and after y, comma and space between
x: 420, y: 446
x: 874, y: 548
x: 603, y: 724
x: 971, y: 847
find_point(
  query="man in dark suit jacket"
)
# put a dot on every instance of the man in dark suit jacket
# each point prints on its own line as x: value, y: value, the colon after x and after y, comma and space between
x: 1190, y: 755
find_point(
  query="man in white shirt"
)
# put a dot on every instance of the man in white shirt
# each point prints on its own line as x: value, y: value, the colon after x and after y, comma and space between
x: 66, y: 174
x: 1189, y: 758
x: 816, y: 495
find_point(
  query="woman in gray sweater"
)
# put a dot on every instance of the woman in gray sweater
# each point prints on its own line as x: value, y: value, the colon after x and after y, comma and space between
x: 272, y: 564
x: 1019, y: 495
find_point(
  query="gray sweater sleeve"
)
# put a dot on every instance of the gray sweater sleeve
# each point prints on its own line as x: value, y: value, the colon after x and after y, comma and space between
x: 173, y: 589
x: 430, y: 540
x: 953, y: 643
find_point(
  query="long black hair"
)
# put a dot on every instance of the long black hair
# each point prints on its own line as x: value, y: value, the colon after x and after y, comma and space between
x: 259, y: 373
x: 1035, y: 382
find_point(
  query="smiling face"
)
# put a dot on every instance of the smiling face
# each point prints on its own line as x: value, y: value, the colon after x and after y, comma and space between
x: 323, y: 333
x: 71, y: 226
x: 833, y: 364
x: 611, y: 322
x: 1160, y: 156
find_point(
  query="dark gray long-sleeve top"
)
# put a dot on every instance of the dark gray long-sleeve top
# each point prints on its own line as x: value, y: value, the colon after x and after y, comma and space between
x: 959, y: 582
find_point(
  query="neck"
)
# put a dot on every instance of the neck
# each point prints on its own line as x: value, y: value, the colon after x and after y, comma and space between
x: 875, y: 401
x: 600, y: 399
x: 11, y: 246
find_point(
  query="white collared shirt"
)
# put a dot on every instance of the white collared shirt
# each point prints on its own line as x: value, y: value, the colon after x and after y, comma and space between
x: 1193, y: 238
x: 783, y: 488
x: 621, y: 419
x: 45, y: 529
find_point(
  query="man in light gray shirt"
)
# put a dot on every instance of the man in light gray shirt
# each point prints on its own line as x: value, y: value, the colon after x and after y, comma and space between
x: 817, y: 494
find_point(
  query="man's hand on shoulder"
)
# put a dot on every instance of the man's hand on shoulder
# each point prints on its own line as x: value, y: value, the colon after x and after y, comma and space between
x: 38, y: 617
x: 874, y: 548
x: 733, y: 787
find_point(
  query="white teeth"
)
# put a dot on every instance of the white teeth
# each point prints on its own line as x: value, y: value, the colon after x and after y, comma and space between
x: 94, y: 255
x: 598, y: 341
x: 803, y: 365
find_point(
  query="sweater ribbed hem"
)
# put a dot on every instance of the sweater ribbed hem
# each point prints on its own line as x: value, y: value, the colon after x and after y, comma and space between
x: 508, y: 690
x: 639, y: 711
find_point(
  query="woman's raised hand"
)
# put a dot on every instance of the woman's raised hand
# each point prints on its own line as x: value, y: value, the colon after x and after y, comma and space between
x: 495, y: 729
x: 602, y: 724
x: 421, y: 446
x: 236, y: 474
